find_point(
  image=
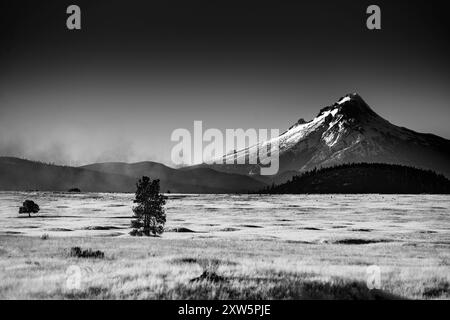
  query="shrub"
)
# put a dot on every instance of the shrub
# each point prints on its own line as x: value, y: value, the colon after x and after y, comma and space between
x: 209, y: 267
x: 77, y: 252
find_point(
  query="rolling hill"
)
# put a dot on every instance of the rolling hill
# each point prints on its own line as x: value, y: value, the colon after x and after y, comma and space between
x: 20, y: 174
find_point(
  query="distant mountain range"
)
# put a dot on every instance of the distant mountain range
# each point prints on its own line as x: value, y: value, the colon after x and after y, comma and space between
x: 348, y: 131
x: 20, y: 174
x: 194, y: 180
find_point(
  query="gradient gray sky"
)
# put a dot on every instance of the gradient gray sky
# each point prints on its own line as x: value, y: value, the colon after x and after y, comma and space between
x: 116, y: 90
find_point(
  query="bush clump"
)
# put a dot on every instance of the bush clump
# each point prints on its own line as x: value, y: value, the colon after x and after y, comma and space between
x: 77, y: 252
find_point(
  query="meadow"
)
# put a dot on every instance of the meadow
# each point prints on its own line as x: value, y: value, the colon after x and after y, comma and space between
x: 227, y: 247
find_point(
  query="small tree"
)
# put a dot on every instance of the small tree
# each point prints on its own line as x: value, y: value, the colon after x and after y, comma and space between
x: 29, y: 207
x: 149, y: 216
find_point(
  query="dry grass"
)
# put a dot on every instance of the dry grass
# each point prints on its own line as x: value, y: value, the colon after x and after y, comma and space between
x: 159, y: 268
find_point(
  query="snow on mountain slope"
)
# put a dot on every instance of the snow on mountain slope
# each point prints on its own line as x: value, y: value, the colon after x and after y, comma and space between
x: 349, y: 131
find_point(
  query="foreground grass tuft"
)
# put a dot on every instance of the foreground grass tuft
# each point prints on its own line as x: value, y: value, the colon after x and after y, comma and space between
x: 159, y: 268
x: 441, y: 288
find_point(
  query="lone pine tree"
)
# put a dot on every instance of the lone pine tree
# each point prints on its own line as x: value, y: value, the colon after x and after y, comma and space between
x: 149, y: 216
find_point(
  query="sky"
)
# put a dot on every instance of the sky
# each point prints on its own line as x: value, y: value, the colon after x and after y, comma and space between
x: 137, y: 70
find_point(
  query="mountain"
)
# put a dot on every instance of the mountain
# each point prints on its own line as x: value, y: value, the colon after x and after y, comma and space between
x: 195, y: 180
x: 365, y: 178
x: 348, y: 131
x: 20, y: 174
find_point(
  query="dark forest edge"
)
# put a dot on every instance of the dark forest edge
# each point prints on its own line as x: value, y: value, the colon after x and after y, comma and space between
x: 364, y: 178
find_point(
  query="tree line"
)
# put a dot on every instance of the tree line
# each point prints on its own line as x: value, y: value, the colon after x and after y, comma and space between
x: 364, y: 178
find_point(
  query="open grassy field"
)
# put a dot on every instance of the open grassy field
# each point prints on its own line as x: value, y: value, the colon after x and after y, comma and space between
x: 158, y: 268
x: 242, y: 248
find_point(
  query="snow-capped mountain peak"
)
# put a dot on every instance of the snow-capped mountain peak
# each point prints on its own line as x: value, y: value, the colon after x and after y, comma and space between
x: 350, y: 131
